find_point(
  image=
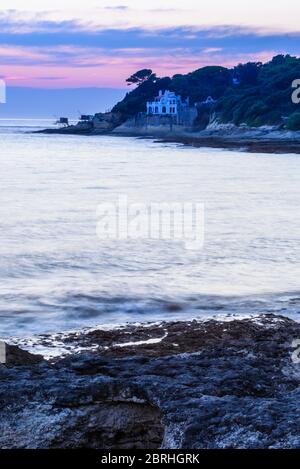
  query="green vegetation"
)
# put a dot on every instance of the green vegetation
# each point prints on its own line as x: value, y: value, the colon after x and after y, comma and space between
x: 294, y: 121
x: 141, y: 76
x: 254, y: 93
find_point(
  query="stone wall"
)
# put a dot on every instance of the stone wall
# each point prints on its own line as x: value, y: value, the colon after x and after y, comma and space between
x: 158, y: 124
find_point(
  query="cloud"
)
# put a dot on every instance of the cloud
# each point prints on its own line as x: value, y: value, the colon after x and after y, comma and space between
x: 69, y: 49
x: 77, y: 34
x: 212, y: 50
x: 117, y: 7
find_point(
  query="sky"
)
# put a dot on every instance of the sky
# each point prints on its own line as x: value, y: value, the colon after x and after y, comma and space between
x: 99, y: 43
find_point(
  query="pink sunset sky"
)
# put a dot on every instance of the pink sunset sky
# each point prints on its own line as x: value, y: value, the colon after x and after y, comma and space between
x: 55, y: 44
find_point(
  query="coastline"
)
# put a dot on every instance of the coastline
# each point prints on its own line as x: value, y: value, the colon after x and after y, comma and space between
x: 208, y: 384
x: 57, y: 345
x: 249, y: 145
x: 248, y: 140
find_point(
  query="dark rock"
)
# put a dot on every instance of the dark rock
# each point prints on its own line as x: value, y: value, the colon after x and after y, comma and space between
x: 224, y: 385
x: 14, y: 356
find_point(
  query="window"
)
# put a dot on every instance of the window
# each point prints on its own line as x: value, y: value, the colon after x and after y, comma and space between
x: 156, y: 110
x: 164, y: 110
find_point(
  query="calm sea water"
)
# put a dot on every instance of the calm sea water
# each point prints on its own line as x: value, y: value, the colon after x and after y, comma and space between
x: 55, y: 274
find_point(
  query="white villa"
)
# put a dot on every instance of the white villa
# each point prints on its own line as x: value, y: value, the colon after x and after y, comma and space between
x: 166, y: 103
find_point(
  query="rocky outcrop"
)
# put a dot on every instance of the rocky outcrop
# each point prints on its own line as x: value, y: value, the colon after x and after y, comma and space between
x: 264, y: 139
x: 82, y: 128
x: 102, y: 123
x: 10, y: 355
x: 106, y: 122
x: 174, y: 385
x: 250, y: 141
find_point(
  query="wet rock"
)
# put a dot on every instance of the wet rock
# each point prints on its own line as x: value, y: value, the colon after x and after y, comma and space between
x: 225, y: 385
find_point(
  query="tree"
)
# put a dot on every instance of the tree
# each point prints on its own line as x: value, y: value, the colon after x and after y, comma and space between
x: 141, y: 76
x: 263, y: 96
x: 247, y: 73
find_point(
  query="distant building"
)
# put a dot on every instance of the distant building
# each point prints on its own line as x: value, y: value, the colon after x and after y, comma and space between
x: 62, y: 121
x: 86, y: 117
x: 167, y: 103
x: 209, y: 101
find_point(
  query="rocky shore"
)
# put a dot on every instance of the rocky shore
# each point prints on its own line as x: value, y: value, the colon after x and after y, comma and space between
x: 226, y: 137
x: 250, y: 144
x: 197, y: 384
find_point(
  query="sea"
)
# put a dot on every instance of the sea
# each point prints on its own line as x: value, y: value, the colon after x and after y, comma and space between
x: 57, y: 274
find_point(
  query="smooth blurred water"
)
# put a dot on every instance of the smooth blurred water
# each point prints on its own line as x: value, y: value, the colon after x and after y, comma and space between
x: 55, y: 274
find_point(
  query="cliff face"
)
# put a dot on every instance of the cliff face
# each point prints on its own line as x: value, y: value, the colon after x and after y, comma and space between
x: 106, y: 121
x: 175, y: 385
